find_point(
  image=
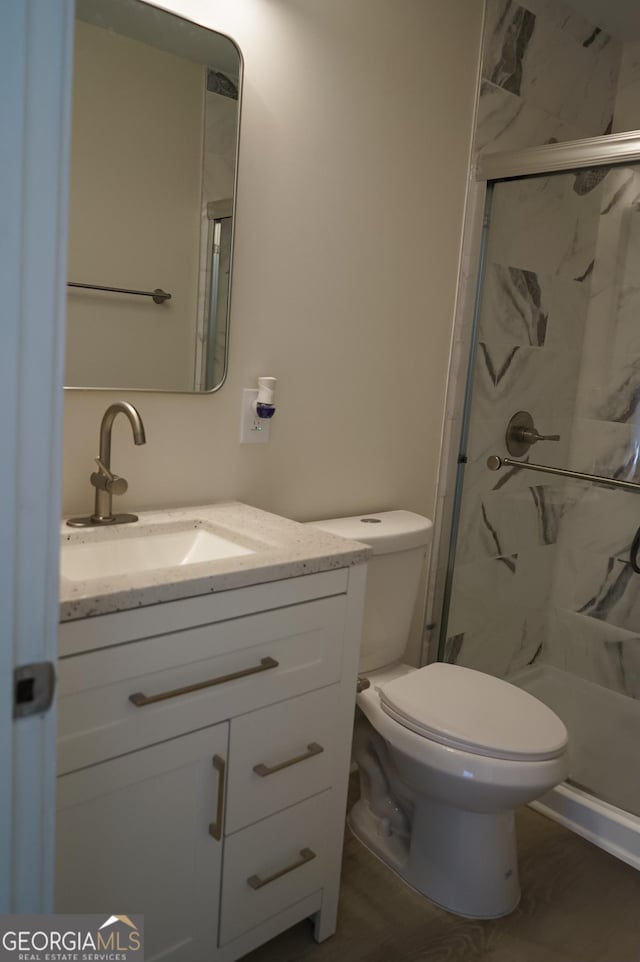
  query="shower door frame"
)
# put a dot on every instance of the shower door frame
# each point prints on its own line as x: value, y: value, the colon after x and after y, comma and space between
x: 611, y: 828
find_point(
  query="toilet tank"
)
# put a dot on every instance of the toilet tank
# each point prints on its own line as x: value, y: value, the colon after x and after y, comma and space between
x: 400, y: 541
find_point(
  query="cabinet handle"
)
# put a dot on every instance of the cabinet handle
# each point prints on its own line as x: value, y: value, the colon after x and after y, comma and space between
x: 215, y: 828
x: 306, y: 855
x: 312, y: 749
x: 140, y: 700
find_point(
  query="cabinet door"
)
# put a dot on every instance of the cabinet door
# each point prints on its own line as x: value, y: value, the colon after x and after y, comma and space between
x: 136, y: 834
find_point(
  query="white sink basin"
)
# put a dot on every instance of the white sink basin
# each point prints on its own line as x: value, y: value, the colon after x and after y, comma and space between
x: 107, y: 553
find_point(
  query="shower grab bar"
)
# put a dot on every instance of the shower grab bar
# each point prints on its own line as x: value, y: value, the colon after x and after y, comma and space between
x: 494, y: 463
x: 158, y: 295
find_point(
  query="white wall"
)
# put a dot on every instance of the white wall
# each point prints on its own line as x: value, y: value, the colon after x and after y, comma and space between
x: 355, y: 138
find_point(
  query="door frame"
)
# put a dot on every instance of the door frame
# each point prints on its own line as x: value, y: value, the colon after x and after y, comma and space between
x: 36, y: 59
x: 609, y: 149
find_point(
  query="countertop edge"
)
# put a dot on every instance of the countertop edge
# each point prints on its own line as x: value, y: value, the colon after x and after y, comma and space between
x: 302, y: 551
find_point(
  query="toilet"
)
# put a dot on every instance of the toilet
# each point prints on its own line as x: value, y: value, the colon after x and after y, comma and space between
x: 445, y: 753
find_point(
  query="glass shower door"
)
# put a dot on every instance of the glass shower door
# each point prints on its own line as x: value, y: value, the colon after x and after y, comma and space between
x: 540, y: 587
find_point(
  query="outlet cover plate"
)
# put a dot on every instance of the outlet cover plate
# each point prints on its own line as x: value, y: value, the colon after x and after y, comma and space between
x: 253, y: 430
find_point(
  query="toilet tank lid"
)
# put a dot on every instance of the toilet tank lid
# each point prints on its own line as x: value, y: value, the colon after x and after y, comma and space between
x: 383, y: 531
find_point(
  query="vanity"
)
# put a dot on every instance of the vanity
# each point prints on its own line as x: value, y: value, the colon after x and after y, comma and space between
x: 205, y: 713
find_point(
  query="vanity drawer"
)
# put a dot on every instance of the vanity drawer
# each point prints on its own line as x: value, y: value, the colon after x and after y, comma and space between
x: 185, y: 680
x: 273, y: 864
x: 292, y: 746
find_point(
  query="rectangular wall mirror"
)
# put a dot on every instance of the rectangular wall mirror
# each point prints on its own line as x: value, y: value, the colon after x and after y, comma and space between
x: 156, y: 103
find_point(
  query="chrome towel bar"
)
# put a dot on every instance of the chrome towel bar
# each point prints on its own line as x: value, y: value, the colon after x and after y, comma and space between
x: 494, y: 463
x: 158, y: 296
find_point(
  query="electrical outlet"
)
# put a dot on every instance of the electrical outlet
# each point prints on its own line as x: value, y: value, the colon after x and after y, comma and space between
x: 253, y: 430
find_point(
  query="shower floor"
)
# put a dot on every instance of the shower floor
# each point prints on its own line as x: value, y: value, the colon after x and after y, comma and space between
x: 604, y: 732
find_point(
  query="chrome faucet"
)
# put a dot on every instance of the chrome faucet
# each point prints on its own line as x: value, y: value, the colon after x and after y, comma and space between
x: 104, y: 481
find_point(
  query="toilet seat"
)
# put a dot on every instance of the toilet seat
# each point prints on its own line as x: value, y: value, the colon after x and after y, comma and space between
x: 473, y: 712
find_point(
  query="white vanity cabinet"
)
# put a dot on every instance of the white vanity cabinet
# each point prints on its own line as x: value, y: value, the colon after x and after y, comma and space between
x: 203, y: 761
x: 133, y: 832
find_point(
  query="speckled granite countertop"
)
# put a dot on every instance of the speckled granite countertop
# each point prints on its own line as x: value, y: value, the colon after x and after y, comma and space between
x: 280, y: 548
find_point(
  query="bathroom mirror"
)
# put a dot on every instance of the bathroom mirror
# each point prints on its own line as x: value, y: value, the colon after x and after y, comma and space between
x: 155, y: 120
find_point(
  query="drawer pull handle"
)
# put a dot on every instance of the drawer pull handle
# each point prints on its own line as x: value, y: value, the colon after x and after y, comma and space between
x: 140, y: 700
x: 306, y: 855
x: 215, y: 828
x: 312, y: 749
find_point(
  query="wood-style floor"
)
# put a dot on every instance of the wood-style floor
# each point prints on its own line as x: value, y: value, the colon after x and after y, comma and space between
x: 578, y: 905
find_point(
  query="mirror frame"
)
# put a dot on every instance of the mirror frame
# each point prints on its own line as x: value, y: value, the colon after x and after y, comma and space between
x: 213, y: 390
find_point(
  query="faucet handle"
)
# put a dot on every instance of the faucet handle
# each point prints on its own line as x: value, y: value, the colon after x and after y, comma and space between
x: 104, y: 470
x: 107, y: 481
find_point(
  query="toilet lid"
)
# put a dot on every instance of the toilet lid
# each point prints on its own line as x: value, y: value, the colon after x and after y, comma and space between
x: 474, y: 712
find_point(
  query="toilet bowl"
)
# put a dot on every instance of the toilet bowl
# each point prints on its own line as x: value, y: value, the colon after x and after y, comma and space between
x: 445, y: 753
x: 458, y: 794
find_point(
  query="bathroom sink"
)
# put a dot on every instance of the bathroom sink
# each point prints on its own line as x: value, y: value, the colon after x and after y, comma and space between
x: 107, y: 553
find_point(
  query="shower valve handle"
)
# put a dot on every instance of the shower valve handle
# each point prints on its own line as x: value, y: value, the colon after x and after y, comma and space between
x: 522, y: 433
x: 530, y: 437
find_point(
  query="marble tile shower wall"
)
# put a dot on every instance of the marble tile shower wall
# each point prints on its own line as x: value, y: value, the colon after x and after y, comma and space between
x: 534, y: 312
x: 542, y: 569
x: 627, y: 112
x: 594, y: 622
x: 548, y: 75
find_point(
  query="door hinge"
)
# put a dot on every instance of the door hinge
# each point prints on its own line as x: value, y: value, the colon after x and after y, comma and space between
x: 33, y: 688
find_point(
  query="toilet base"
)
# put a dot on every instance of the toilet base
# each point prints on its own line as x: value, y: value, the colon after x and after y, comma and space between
x: 464, y: 862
